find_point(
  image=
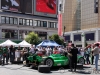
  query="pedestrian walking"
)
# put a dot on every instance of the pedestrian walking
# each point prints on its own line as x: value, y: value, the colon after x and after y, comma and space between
x: 73, y: 58
x: 12, y: 54
x: 96, y: 55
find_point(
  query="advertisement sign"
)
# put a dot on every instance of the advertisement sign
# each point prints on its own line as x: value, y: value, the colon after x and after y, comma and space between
x: 46, y: 8
x: 12, y: 5
x: 22, y: 6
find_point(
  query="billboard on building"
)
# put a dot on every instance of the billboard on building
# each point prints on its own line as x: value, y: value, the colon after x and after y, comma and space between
x: 22, y: 6
x: 46, y: 8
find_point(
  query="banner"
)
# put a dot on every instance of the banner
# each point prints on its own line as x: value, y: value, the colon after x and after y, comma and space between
x: 60, y: 11
x: 60, y: 24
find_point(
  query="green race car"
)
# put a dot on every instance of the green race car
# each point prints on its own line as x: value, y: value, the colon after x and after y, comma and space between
x: 52, y: 60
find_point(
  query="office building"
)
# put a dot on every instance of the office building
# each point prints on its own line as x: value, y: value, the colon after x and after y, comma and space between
x: 90, y: 23
x: 19, y: 17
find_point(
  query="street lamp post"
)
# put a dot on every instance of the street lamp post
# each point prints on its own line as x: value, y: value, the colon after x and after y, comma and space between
x: 83, y: 39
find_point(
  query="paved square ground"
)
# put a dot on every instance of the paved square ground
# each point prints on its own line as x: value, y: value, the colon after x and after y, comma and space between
x: 20, y: 70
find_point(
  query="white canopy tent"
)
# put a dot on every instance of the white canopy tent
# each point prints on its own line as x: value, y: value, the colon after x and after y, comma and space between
x: 24, y: 44
x: 8, y: 43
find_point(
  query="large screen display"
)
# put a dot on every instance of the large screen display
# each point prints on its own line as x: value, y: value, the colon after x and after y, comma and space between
x: 45, y: 8
x: 12, y: 5
x: 22, y: 6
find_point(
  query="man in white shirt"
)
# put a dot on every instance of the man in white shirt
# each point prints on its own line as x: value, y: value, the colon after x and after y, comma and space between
x: 32, y: 49
x: 61, y: 50
x: 48, y: 51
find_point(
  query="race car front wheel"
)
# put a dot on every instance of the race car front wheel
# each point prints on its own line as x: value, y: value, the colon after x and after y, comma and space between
x: 49, y: 62
x: 81, y: 61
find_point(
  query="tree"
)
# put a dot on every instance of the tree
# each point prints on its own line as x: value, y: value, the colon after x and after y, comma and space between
x: 57, y: 39
x: 32, y: 38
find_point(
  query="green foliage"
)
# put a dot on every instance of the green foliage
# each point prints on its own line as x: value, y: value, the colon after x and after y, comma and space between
x: 57, y: 39
x: 32, y: 38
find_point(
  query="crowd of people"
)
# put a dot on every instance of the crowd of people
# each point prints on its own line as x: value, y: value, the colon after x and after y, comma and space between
x: 91, y: 54
x: 11, y: 54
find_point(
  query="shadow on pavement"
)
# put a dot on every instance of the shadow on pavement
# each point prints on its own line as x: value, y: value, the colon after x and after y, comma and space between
x: 82, y: 72
x: 86, y: 67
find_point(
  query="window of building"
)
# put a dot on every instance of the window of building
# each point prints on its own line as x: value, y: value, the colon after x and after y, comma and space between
x: 7, y: 20
x: 15, y: 21
x: 48, y: 24
x: 20, y: 21
x: 28, y: 22
x: 8, y: 33
x: 38, y: 23
x: 90, y: 36
x: 11, y: 20
x: 31, y: 22
x: 24, y: 21
x: 52, y: 24
x: 44, y: 24
x: 35, y: 23
x: 67, y: 37
x: 77, y: 37
x: 41, y: 23
x: 3, y: 19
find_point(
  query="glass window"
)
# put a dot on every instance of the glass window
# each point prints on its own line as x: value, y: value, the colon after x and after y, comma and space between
x: 90, y: 36
x: 20, y: 21
x: 7, y: 33
x: 41, y: 23
x: 67, y: 37
x: 24, y: 22
x: 7, y: 20
x: 27, y: 22
x: 48, y: 24
x: 35, y: 23
x: 77, y: 37
x: 52, y: 25
x: 38, y: 23
x: 11, y: 20
x: 44, y: 24
x: 2, y: 19
x: 31, y: 22
x: 15, y: 21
